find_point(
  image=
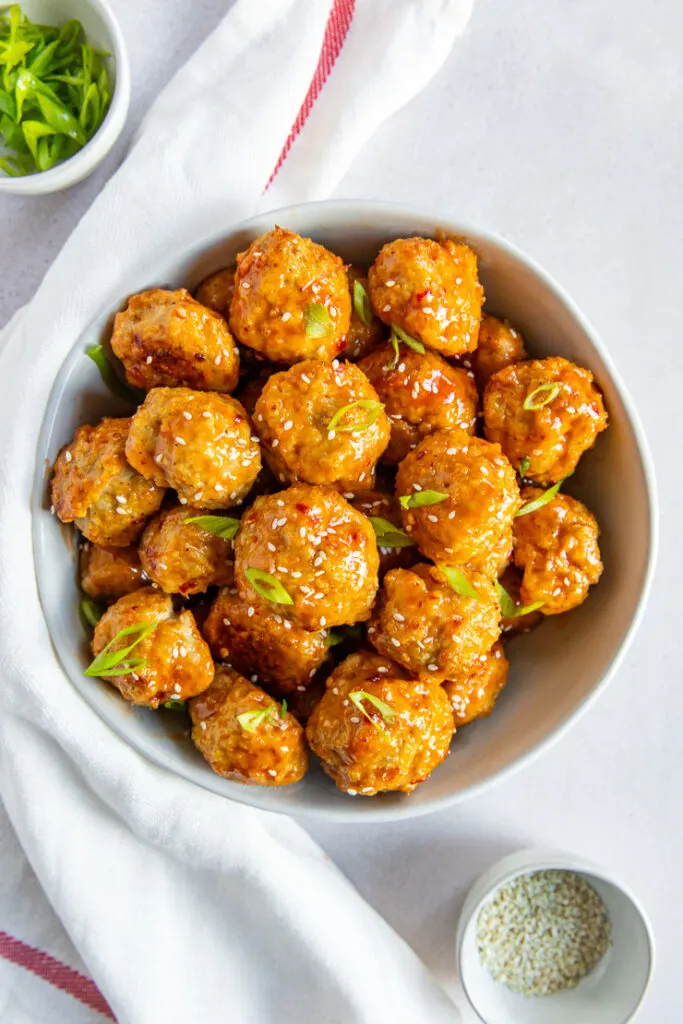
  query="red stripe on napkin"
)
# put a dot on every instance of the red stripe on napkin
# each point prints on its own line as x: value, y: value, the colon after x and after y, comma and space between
x: 336, y: 31
x: 54, y: 972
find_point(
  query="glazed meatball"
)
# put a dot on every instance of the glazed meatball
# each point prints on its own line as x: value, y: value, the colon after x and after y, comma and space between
x: 499, y: 346
x: 431, y: 290
x: 475, y: 494
x: 319, y: 550
x: 545, y: 411
x: 244, y: 735
x: 216, y: 291
x: 173, y: 662
x: 361, y: 336
x: 474, y: 692
x: 182, y: 557
x: 294, y: 414
x: 397, y: 552
x: 94, y: 487
x: 367, y: 749
x: 420, y: 393
x: 557, y: 548
x: 109, y: 573
x: 197, y: 442
x: 512, y: 625
x: 262, y: 644
x: 166, y: 339
x: 302, y: 702
x: 291, y: 299
x: 429, y: 628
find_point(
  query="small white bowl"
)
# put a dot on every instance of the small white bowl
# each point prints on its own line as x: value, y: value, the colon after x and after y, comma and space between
x: 102, y: 31
x: 611, y: 994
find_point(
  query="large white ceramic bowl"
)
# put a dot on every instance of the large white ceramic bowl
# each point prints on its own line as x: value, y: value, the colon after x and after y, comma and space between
x: 102, y: 31
x: 556, y: 671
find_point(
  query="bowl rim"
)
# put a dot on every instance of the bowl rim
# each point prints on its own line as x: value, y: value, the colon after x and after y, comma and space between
x: 369, y: 209
x: 524, y: 862
x: 82, y: 163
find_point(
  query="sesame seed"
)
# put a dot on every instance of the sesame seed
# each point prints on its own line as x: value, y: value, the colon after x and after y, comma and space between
x: 275, y: 443
x: 270, y: 546
x: 395, y: 642
x: 183, y: 501
x: 288, y: 425
x: 180, y: 440
x: 250, y: 611
x: 272, y: 772
x: 433, y: 519
x: 177, y: 687
x: 122, y: 499
x: 206, y: 414
x: 227, y: 622
x: 67, y: 456
x: 286, y: 317
x: 148, y: 360
x: 217, y: 360
x: 121, y: 511
x: 385, y: 309
x: 331, y: 434
x: 323, y: 620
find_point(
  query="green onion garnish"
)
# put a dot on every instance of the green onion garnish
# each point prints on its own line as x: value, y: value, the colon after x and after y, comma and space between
x: 407, y: 339
x: 511, y: 610
x: 361, y: 303
x: 374, y: 412
x: 422, y: 498
x: 250, y: 720
x: 524, y: 466
x: 458, y: 582
x: 109, y: 375
x: 334, y: 637
x: 283, y: 708
x: 117, y: 663
x: 91, y: 612
x: 387, y: 713
x: 532, y: 400
x: 173, y: 705
x: 54, y: 92
x: 268, y: 586
x: 318, y: 323
x: 224, y: 527
x: 541, y: 500
x: 388, y: 535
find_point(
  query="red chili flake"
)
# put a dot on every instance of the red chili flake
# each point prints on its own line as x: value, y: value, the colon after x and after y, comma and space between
x: 422, y: 295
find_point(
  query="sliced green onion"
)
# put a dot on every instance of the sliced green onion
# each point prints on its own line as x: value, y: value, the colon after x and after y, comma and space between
x: 224, y: 527
x: 334, y: 637
x: 268, y: 586
x: 109, y: 375
x: 420, y: 499
x: 387, y: 713
x: 340, y: 636
x: 250, y: 720
x: 117, y: 663
x: 397, y: 353
x: 173, y: 705
x: 407, y: 339
x: 458, y: 582
x: 509, y: 609
x: 532, y: 400
x: 91, y: 612
x: 541, y: 500
x: 361, y: 303
x: 283, y: 708
x: 524, y: 466
x: 318, y: 323
x: 374, y: 412
x: 390, y: 536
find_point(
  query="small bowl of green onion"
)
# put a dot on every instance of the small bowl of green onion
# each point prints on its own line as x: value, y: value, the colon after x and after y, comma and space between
x: 64, y: 92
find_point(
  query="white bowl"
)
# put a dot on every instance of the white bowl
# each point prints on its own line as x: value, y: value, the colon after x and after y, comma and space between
x: 556, y: 671
x: 611, y: 994
x: 102, y: 31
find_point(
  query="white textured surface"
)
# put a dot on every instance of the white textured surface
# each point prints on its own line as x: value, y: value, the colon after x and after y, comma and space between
x: 558, y: 126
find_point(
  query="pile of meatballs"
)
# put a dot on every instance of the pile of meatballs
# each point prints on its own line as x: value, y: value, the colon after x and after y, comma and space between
x: 333, y: 504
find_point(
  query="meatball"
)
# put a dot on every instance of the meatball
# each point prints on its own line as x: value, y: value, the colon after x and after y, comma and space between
x: 431, y: 290
x: 302, y: 702
x: 317, y: 548
x: 166, y: 339
x: 109, y: 573
x: 262, y: 644
x: 171, y: 663
x: 398, y: 550
x: 305, y: 417
x: 474, y: 493
x: 429, y: 628
x: 499, y: 346
x: 421, y: 393
x: 216, y: 291
x: 544, y: 411
x: 94, y: 487
x: 513, y: 624
x: 474, y: 692
x: 183, y: 557
x: 376, y: 729
x: 557, y: 548
x: 197, y: 442
x: 291, y: 299
x: 245, y: 735
x: 361, y: 337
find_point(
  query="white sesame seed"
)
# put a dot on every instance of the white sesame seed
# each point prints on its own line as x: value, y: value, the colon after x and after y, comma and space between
x: 217, y: 360
x: 180, y: 440
x: 206, y: 414
x: 177, y: 687
x: 122, y: 499
x: 67, y: 456
x: 288, y: 425
x: 395, y: 642
x: 385, y: 309
x: 148, y: 360
x: 275, y: 443
x: 331, y: 434
x: 250, y: 611
x: 286, y: 316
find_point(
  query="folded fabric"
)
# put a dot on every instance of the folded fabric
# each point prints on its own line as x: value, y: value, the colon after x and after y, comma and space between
x: 181, y: 905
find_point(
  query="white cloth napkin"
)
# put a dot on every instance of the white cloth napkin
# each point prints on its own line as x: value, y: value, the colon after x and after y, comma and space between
x: 183, y: 906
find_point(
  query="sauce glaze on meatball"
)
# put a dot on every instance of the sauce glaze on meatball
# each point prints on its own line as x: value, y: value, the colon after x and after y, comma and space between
x: 381, y: 504
x: 182, y: 557
x: 368, y: 751
x: 261, y: 749
x: 166, y: 339
x: 109, y: 573
x: 216, y: 291
x: 474, y: 692
x: 499, y: 345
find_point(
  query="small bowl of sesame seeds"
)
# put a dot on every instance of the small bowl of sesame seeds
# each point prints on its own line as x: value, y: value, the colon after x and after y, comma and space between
x: 545, y: 937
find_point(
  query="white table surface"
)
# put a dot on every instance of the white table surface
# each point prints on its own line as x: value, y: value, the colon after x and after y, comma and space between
x: 558, y: 125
